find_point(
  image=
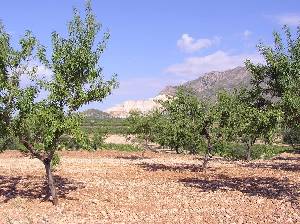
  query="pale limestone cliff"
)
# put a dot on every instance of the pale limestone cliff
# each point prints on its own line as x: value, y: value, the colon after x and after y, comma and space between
x: 144, y: 106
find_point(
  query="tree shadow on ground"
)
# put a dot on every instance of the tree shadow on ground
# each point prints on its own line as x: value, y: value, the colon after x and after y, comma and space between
x: 266, y: 187
x: 287, y: 158
x: 35, y: 187
x: 173, y: 167
x: 131, y: 157
x: 277, y: 166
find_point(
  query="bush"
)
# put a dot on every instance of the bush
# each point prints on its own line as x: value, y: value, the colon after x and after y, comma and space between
x: 237, y: 151
x: 97, y: 140
x: 121, y: 147
x: 109, y: 125
x: 230, y: 150
x: 291, y: 136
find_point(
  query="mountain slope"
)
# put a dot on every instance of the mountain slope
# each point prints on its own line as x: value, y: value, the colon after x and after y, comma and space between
x: 209, y: 84
x: 206, y: 86
x: 96, y: 114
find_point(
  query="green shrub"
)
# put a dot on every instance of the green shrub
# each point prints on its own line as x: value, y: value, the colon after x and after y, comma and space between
x: 121, y: 147
x: 230, y: 150
x: 236, y: 151
x: 97, y: 139
x: 109, y: 125
x: 291, y: 136
x: 268, y: 151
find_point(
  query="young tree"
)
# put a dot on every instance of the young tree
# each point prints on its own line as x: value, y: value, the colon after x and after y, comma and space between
x: 278, y: 80
x: 14, y: 63
x: 181, y: 117
x: 77, y: 80
x: 141, y: 126
x: 188, y: 124
x: 241, y: 119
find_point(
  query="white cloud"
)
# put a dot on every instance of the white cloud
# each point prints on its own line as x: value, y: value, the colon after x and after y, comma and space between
x: 44, y: 72
x: 247, y: 34
x: 289, y: 19
x: 189, y: 45
x: 218, y: 61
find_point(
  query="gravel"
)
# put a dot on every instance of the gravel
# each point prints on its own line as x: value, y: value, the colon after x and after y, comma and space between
x: 120, y: 187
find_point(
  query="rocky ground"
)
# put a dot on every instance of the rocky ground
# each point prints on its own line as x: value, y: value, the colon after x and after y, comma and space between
x: 115, y: 187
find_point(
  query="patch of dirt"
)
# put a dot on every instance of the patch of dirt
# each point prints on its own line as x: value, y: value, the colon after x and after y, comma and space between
x: 121, y: 187
x: 117, y: 139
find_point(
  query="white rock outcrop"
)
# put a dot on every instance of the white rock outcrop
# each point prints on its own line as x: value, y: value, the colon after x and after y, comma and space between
x: 122, y: 110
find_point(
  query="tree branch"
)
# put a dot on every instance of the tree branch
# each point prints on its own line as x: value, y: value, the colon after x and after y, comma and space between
x: 31, y: 149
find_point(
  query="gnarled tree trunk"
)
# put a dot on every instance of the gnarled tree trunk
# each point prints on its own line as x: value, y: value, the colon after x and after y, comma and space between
x: 50, y: 181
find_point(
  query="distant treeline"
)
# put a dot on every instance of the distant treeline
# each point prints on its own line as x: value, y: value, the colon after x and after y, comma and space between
x: 106, y: 125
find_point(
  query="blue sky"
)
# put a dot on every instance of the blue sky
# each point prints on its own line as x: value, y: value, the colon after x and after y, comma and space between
x: 161, y: 42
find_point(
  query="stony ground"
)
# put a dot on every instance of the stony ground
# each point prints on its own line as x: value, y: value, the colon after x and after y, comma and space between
x: 114, y: 187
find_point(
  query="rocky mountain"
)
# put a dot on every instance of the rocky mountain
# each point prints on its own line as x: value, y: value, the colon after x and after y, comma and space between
x: 206, y: 86
x: 209, y: 84
x: 96, y: 114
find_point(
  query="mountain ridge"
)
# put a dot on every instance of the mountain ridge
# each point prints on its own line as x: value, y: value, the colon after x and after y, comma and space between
x: 95, y: 114
x: 209, y: 84
x: 205, y: 86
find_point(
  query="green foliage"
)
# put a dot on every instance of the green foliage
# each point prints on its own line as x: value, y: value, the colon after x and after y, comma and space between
x: 108, y: 125
x: 182, y: 123
x: 278, y: 80
x: 186, y: 119
x: 97, y: 140
x: 13, y: 64
x: 55, y: 160
x: 121, y: 147
x: 69, y: 143
x: 141, y: 125
x: 292, y: 136
x: 76, y: 80
x: 243, y: 121
x: 237, y: 151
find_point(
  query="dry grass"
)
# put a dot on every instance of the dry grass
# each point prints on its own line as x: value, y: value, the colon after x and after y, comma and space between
x: 120, y: 187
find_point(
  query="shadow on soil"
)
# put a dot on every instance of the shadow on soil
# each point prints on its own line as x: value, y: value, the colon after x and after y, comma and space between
x: 173, y: 167
x: 266, y: 187
x: 131, y: 157
x: 286, y: 166
x: 34, y: 187
x: 287, y: 158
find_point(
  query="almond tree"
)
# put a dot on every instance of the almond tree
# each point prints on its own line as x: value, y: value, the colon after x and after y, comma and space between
x: 182, y: 117
x: 76, y: 80
x: 141, y: 126
x: 277, y: 81
x: 14, y: 63
x: 243, y: 121
x: 187, y: 123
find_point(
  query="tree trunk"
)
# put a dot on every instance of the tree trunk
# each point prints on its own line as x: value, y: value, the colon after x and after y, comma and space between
x: 248, y: 153
x: 249, y: 145
x: 50, y: 181
x: 207, y: 154
x: 146, y: 146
